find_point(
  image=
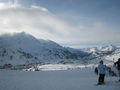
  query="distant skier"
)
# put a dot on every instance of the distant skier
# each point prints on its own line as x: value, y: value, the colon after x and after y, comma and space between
x: 96, y: 71
x: 111, y: 72
x: 117, y: 65
x: 101, y: 72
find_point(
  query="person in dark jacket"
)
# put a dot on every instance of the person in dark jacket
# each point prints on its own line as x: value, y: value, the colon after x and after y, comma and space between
x: 102, y: 72
x: 96, y: 71
x: 117, y: 65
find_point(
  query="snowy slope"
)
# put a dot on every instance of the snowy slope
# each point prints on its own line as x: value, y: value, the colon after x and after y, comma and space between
x: 82, y: 79
x: 15, y: 56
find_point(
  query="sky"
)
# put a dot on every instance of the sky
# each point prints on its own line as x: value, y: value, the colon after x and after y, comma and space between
x: 73, y: 23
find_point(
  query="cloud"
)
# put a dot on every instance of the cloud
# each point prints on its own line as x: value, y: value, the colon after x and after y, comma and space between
x: 34, y: 20
x: 41, y: 23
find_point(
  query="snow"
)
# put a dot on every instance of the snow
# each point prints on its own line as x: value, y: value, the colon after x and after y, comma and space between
x: 77, y: 79
x: 54, y: 67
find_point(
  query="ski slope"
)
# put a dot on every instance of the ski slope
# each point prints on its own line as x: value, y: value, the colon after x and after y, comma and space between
x: 77, y: 79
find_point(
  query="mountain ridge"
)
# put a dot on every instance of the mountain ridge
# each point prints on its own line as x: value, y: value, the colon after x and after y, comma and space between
x: 23, y: 48
x: 44, y: 50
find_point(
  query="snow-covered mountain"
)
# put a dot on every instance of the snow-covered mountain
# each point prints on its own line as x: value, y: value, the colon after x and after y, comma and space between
x: 109, y: 54
x: 22, y: 48
x: 101, y: 49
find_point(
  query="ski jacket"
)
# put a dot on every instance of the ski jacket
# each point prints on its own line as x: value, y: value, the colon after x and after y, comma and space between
x: 101, y: 69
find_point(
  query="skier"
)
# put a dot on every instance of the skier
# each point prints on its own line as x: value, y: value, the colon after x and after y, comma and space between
x: 102, y: 72
x: 96, y: 71
x: 117, y: 65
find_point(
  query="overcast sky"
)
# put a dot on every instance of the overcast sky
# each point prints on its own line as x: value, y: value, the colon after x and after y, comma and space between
x: 75, y: 23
